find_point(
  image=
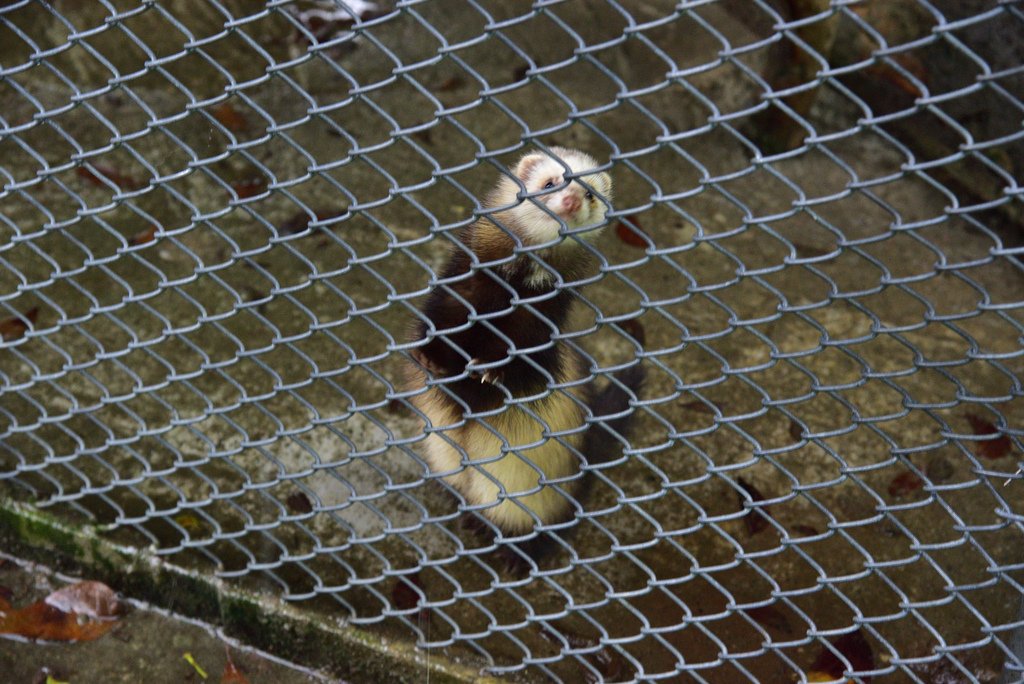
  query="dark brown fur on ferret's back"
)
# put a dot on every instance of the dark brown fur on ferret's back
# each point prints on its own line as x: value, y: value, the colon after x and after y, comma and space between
x: 529, y: 327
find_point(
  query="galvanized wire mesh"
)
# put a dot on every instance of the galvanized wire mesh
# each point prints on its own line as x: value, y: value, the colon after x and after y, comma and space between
x: 220, y: 217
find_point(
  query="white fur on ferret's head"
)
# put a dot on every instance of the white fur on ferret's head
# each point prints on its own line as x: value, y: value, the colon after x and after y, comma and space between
x: 539, y: 218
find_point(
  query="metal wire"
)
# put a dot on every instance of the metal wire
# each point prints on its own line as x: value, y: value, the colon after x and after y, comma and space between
x: 220, y: 219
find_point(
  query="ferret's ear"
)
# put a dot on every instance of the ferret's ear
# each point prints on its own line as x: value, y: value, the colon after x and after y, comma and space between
x: 526, y: 165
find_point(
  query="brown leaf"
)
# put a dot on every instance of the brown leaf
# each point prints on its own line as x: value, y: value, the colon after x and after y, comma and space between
x: 805, y: 530
x: 635, y: 329
x: 15, y: 327
x: 231, y: 674
x: 79, y: 612
x: 992, y: 448
x: 905, y: 483
x: 855, y: 648
x: 698, y: 406
x: 298, y: 502
x: 796, y: 431
x: 230, y: 118
x: 756, y: 519
x: 911, y: 64
x: 88, y: 598
x: 297, y: 223
x: 143, y: 237
x: 249, y: 188
x: 405, y: 596
x: 632, y: 235
x: 300, y: 220
x: 451, y: 83
x: 98, y: 172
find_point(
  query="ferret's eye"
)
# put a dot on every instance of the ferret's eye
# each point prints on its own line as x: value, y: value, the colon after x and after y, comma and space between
x: 549, y: 184
x: 589, y: 195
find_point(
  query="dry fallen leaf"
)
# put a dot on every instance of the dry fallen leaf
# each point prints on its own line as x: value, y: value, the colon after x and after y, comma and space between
x: 635, y: 329
x: 143, y: 237
x: 298, y: 502
x: 990, y: 448
x: 407, y: 594
x: 249, y: 188
x: 231, y: 674
x: 698, y: 406
x: 451, y: 83
x: 300, y: 220
x: 854, y: 648
x: 230, y: 118
x: 905, y: 483
x: 15, y: 327
x: 632, y: 234
x: 757, y: 519
x: 98, y: 172
x: 891, y: 74
x: 796, y: 431
x: 89, y: 598
x: 79, y: 612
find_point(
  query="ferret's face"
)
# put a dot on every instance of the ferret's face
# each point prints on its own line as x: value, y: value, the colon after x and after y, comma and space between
x: 554, y: 208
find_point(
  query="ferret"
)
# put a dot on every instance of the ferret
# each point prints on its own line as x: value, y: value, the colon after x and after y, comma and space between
x: 496, y: 433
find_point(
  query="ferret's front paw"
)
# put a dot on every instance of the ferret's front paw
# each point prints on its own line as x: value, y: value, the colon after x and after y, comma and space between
x: 491, y: 376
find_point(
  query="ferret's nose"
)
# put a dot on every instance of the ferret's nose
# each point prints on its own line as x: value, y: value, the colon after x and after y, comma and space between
x: 571, y: 203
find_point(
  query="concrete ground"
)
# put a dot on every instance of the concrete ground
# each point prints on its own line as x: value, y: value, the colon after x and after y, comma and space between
x: 816, y: 342
x: 147, y: 644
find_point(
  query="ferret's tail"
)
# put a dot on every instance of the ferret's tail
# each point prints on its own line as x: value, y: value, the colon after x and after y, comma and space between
x: 613, y: 418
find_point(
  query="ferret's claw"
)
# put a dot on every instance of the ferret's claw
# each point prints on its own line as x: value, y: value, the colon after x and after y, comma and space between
x: 488, y: 376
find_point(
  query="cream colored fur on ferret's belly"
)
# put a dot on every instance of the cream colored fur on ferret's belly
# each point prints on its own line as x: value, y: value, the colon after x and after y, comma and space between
x: 518, y: 468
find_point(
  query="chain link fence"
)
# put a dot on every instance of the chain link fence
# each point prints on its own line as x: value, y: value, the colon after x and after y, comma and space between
x: 220, y: 217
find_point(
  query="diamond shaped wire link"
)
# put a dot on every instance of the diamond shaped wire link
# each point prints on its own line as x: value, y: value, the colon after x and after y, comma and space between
x: 220, y: 220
